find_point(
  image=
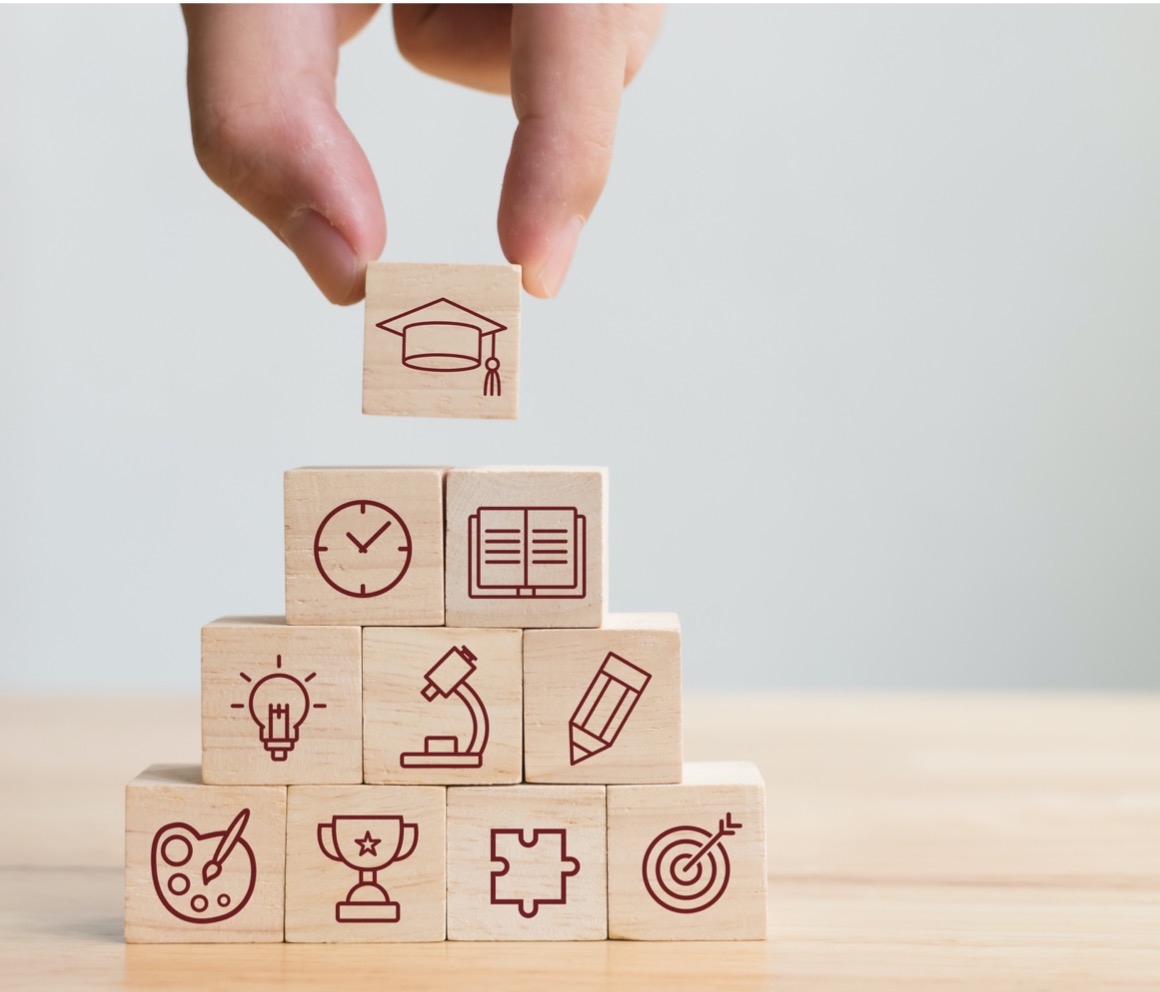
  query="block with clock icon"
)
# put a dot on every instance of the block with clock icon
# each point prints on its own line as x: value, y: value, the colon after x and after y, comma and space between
x: 364, y: 546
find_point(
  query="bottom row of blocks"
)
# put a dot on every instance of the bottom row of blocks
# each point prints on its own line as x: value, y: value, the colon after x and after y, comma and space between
x: 371, y: 863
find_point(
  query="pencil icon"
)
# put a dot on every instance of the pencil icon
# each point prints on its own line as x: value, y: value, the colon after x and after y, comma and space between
x: 607, y: 703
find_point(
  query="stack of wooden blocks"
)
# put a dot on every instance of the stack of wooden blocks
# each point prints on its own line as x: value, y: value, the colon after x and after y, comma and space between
x: 445, y: 737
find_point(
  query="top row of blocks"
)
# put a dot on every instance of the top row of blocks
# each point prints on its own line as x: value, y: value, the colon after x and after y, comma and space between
x: 415, y: 547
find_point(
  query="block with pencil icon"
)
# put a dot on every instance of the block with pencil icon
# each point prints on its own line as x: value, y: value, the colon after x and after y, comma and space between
x: 604, y: 705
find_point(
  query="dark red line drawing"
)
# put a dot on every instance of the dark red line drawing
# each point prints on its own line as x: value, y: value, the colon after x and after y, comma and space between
x: 344, y: 564
x: 279, y: 704
x: 445, y: 336
x: 605, y: 706
x: 523, y: 571
x: 367, y: 901
x: 527, y: 903
x: 686, y: 869
x: 227, y: 875
x: 446, y: 678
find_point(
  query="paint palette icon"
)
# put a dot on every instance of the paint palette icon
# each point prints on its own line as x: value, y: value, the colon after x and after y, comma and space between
x: 203, y: 878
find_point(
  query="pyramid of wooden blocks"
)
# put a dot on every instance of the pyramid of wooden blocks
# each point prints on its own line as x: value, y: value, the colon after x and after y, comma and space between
x: 447, y: 736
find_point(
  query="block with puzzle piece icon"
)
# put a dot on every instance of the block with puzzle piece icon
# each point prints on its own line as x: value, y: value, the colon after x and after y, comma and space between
x: 533, y: 869
x: 526, y: 862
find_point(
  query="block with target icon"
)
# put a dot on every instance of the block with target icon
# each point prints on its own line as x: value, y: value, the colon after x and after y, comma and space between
x: 687, y: 861
x: 203, y: 863
x: 364, y: 546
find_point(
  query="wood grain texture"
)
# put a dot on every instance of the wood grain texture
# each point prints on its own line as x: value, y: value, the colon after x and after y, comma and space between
x: 165, y: 795
x: 574, y: 907
x: 574, y: 702
x: 656, y: 891
x: 916, y: 842
x: 237, y: 654
x: 316, y: 884
x: 398, y: 718
x: 451, y: 385
x: 529, y: 600
x: 379, y: 537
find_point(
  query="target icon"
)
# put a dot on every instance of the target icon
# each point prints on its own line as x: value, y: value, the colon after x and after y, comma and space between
x: 686, y: 869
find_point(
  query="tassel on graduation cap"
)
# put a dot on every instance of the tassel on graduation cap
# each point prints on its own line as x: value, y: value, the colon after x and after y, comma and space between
x: 443, y: 336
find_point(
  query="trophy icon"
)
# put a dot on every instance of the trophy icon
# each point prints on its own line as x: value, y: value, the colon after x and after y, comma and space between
x: 367, y: 844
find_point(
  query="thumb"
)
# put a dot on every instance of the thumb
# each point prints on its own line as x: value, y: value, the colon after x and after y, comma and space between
x: 266, y: 130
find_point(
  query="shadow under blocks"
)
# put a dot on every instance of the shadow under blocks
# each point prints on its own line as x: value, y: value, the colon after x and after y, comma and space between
x: 446, y: 736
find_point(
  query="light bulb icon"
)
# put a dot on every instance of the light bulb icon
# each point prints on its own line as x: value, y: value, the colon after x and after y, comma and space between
x: 279, y: 704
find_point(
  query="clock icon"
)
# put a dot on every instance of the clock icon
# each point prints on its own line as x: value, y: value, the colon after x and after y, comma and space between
x: 362, y: 548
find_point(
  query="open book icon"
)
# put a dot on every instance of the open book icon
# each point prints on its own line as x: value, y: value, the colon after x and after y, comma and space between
x: 526, y: 551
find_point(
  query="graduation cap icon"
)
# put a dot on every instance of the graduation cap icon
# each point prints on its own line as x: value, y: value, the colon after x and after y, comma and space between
x: 444, y: 336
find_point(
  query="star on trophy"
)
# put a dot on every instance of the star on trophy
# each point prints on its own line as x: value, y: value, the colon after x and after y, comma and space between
x: 368, y: 844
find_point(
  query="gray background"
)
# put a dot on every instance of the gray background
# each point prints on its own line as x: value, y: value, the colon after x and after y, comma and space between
x: 865, y: 328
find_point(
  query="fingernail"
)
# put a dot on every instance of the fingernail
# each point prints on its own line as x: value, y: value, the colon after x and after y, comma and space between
x: 551, y: 275
x: 325, y: 255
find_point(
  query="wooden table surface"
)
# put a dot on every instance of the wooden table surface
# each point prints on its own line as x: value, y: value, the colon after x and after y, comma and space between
x: 915, y: 842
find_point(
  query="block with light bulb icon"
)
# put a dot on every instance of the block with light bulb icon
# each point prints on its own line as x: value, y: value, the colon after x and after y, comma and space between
x: 281, y: 705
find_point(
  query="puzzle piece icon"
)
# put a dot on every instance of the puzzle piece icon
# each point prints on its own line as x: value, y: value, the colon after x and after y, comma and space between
x: 534, y: 869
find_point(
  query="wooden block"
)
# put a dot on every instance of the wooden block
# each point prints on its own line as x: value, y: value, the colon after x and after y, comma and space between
x: 366, y: 864
x: 364, y: 546
x: 442, y: 705
x: 526, y: 862
x: 526, y: 547
x: 442, y: 340
x: 252, y: 667
x: 603, y: 705
x: 687, y: 862
x: 203, y: 863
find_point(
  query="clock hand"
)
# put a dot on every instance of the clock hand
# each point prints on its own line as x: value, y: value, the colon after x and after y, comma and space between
x: 361, y: 547
x: 375, y: 536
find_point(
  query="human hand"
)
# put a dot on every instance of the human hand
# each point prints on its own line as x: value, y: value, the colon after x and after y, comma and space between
x: 265, y: 126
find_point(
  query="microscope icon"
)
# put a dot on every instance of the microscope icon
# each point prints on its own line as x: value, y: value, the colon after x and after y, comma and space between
x: 446, y: 678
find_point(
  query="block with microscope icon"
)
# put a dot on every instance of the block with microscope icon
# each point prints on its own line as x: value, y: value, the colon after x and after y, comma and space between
x: 603, y: 705
x: 364, y: 546
x: 526, y: 547
x: 280, y: 704
x: 687, y: 861
x: 442, y: 340
x: 366, y: 864
x: 526, y: 862
x: 203, y: 864
x: 442, y: 705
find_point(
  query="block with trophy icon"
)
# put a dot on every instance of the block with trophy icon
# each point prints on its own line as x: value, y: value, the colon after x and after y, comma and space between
x: 366, y: 864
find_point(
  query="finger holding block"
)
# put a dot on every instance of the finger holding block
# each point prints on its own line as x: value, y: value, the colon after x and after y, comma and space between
x: 687, y: 861
x: 366, y: 864
x: 203, y: 864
